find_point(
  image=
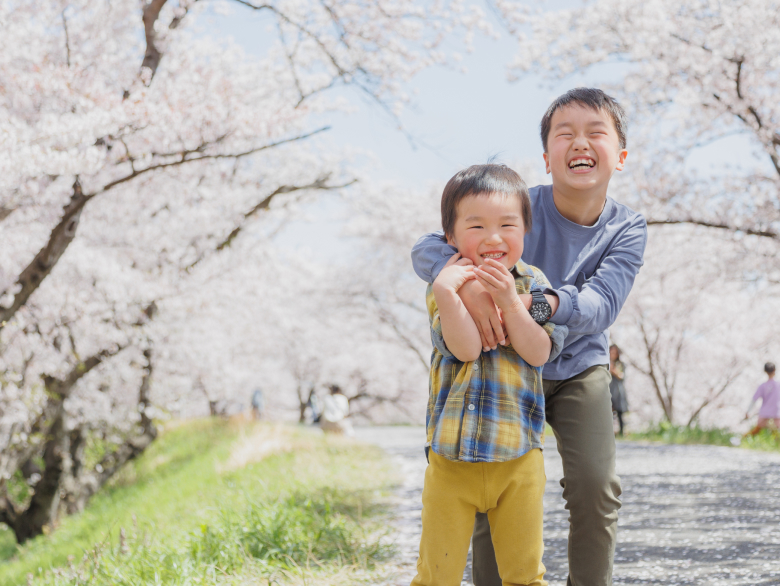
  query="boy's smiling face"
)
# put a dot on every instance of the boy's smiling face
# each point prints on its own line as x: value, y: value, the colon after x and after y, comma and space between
x: 489, y: 226
x: 583, y: 149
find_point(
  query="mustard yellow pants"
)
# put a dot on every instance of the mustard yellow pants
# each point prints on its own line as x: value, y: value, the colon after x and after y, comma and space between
x: 510, y: 493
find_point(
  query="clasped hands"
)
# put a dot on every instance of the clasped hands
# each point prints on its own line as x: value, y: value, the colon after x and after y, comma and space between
x: 487, y: 291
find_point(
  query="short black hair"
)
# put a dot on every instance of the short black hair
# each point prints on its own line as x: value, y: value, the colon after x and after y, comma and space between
x: 594, y: 99
x: 483, y: 180
x: 769, y: 367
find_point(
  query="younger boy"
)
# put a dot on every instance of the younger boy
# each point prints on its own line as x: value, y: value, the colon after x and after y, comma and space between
x: 485, y: 415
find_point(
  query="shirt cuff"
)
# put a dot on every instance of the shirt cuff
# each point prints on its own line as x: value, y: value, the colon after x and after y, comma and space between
x: 438, y: 342
x: 565, y: 307
x: 557, y: 338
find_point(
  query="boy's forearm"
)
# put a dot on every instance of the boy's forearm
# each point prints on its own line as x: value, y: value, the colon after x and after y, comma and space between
x: 595, y: 306
x: 528, y: 338
x: 457, y: 328
x: 552, y: 299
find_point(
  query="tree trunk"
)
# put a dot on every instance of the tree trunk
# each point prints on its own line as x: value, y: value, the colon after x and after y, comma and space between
x: 84, y: 483
x: 303, y: 403
x: 58, y: 464
x: 45, y: 501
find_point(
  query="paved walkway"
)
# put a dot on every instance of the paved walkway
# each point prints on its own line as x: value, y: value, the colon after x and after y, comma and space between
x: 692, y: 515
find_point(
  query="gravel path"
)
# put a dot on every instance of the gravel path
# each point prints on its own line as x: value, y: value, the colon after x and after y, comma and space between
x: 692, y: 515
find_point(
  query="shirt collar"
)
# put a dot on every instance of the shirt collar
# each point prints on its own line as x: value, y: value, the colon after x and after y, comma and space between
x: 521, y: 270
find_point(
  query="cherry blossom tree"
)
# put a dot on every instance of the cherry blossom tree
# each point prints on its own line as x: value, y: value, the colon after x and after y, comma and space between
x: 694, y: 340
x: 698, y: 77
x: 138, y: 154
x: 693, y: 74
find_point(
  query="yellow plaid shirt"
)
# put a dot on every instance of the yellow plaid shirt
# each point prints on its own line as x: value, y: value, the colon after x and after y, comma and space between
x: 492, y: 409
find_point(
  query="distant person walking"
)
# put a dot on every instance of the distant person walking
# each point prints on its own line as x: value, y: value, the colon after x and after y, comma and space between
x: 315, y: 407
x: 617, y: 387
x: 258, y: 404
x: 769, y: 393
x: 335, y: 410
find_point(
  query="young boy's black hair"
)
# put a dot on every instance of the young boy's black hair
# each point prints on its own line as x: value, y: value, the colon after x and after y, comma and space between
x: 594, y: 99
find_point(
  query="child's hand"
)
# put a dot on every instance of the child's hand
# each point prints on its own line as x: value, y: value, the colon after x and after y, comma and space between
x: 456, y: 272
x: 499, y: 282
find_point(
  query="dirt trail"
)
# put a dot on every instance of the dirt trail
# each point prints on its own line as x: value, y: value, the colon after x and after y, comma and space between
x: 692, y: 515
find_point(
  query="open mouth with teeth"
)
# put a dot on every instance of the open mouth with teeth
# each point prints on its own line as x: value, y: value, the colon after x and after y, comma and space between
x: 581, y: 164
x: 493, y: 255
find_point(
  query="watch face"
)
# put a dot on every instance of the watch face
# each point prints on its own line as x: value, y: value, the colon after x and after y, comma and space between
x: 540, y: 312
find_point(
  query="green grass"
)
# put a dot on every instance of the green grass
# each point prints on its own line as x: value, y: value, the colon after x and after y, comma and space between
x: 197, y: 509
x: 765, y: 440
x: 679, y: 434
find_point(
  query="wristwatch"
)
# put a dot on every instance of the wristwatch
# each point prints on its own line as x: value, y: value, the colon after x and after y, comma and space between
x: 540, y: 310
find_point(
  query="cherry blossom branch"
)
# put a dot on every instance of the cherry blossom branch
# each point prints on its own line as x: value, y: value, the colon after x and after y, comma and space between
x: 61, y: 388
x: 363, y: 394
x: 67, y: 39
x: 65, y: 231
x: 319, y: 184
x: 396, y: 401
x: 714, y: 395
x: 390, y: 320
x: 650, y: 349
x: 151, y: 13
x: 719, y: 226
x: 61, y: 236
x: 350, y: 76
x: 185, y: 158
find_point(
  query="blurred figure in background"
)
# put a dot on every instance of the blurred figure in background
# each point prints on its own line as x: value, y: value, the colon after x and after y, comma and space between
x: 258, y: 404
x: 314, y: 405
x: 335, y: 410
x: 769, y: 393
x: 617, y: 387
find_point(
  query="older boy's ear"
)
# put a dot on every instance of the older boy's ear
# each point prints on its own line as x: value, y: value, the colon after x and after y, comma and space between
x: 621, y: 159
x: 546, y: 163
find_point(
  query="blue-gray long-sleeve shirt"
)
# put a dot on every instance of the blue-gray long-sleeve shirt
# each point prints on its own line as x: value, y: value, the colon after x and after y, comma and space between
x: 591, y: 269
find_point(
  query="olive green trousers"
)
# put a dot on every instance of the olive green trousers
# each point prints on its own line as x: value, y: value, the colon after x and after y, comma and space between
x: 579, y: 410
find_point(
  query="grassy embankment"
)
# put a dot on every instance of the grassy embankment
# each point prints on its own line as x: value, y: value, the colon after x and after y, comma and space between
x: 218, y: 502
x: 678, y: 434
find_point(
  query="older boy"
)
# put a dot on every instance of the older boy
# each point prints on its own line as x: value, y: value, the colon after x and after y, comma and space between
x: 591, y: 248
x: 486, y: 407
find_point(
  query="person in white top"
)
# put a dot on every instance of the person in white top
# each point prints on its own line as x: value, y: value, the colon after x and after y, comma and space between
x: 335, y: 410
